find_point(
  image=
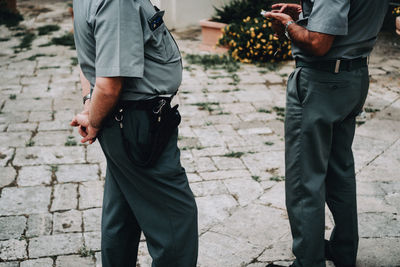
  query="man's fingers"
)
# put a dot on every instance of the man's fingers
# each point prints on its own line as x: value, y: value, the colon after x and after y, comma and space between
x: 271, y: 15
x: 74, y: 122
x: 283, y: 8
x: 277, y: 6
x: 92, y: 141
x: 82, y: 131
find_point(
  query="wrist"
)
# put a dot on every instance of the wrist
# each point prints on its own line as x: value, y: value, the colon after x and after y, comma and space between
x: 287, y: 24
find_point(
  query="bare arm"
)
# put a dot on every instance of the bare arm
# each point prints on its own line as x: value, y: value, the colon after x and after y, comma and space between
x: 104, y: 99
x: 314, y: 43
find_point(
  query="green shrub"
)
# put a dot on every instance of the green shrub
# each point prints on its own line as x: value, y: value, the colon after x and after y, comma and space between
x: 66, y: 40
x: 46, y: 29
x: 237, y: 10
x: 252, y: 40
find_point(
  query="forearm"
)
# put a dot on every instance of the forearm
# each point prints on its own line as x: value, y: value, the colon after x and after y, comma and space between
x: 313, y: 43
x: 104, y: 99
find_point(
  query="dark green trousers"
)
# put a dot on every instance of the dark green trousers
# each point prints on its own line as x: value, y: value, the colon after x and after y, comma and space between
x: 319, y: 130
x: 156, y: 201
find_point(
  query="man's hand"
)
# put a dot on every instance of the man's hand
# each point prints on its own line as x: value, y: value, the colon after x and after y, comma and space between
x: 293, y: 10
x: 87, y: 131
x: 280, y: 17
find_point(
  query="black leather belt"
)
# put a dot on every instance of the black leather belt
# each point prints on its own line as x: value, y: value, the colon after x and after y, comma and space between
x: 143, y: 104
x: 334, y: 66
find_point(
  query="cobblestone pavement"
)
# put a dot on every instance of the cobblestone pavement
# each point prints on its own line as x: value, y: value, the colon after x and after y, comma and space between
x: 232, y: 148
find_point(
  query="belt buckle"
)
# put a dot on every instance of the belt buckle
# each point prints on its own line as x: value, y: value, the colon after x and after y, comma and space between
x: 337, y: 66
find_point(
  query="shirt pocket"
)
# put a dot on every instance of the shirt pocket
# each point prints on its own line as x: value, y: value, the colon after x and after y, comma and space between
x: 161, y: 47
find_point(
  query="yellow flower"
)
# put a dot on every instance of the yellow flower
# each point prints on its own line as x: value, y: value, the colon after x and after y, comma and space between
x: 252, y: 29
x: 264, y: 26
x: 270, y: 52
x: 270, y: 47
x: 275, y: 38
x: 246, y: 19
x: 269, y: 24
x: 248, y: 44
x: 260, y: 35
x: 256, y: 20
x: 253, y: 34
x: 263, y: 40
x: 270, y: 37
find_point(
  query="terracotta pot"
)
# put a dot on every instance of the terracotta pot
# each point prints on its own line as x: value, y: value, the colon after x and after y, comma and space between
x: 398, y: 25
x: 11, y: 5
x: 211, y: 32
x: 71, y: 12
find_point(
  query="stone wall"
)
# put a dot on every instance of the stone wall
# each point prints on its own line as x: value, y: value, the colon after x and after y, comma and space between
x: 185, y: 13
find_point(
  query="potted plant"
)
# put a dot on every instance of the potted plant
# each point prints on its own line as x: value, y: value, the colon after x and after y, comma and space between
x: 234, y: 11
x: 11, y: 5
x: 396, y: 12
x: 9, y: 15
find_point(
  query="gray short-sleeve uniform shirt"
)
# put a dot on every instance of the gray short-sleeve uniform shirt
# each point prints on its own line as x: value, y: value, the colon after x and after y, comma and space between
x: 127, y: 38
x: 355, y: 23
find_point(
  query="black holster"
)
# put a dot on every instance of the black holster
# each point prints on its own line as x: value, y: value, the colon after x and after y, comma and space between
x: 164, y: 120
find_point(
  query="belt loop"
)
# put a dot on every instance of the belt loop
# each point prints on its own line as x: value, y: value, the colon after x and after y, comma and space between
x: 337, y: 66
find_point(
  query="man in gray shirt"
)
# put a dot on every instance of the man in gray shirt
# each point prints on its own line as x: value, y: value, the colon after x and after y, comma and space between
x: 331, y: 43
x: 133, y: 67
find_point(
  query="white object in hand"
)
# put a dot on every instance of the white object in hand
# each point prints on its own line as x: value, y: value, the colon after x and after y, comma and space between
x: 263, y: 12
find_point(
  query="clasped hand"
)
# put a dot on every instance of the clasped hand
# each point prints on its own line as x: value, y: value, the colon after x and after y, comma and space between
x: 87, y: 131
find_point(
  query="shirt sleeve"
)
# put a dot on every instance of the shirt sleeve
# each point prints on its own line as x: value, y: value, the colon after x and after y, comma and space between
x: 119, y: 39
x: 330, y: 17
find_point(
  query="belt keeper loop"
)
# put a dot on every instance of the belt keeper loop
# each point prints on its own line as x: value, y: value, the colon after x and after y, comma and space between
x: 337, y: 66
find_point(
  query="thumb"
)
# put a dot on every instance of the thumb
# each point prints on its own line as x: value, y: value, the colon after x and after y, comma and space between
x: 74, y: 122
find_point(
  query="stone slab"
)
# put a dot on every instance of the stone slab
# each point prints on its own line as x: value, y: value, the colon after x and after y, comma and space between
x: 67, y: 222
x: 12, y: 227
x: 7, y: 176
x: 39, y: 224
x: 92, y: 220
x: 60, y: 245
x: 16, y: 201
x: 77, y: 173
x: 43, y: 262
x: 74, y: 260
x: 12, y: 249
x: 34, y: 176
x: 91, y: 194
x: 49, y: 155
x: 65, y: 197
x: 220, y: 250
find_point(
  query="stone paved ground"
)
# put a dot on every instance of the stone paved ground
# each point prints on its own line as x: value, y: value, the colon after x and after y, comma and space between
x: 232, y: 148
